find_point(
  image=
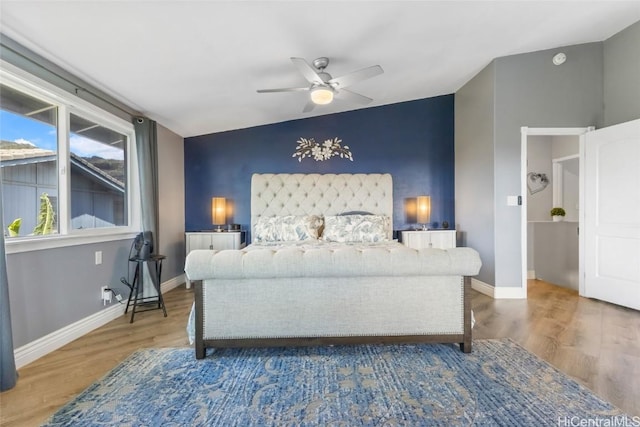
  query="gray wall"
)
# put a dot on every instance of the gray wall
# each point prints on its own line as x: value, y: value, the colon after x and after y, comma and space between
x: 555, y: 247
x: 527, y: 90
x: 539, y: 161
x: 50, y: 289
x: 171, y: 203
x: 598, y: 86
x: 541, y: 151
x: 622, y: 76
x: 531, y: 91
x: 474, y: 168
x: 53, y: 288
x: 564, y: 146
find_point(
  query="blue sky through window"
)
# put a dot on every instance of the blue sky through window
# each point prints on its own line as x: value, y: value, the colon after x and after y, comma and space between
x: 17, y: 128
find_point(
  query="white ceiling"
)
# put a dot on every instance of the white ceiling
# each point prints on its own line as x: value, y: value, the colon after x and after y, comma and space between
x: 195, y: 66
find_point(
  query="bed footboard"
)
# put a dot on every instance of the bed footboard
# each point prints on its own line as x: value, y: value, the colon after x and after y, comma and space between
x: 378, y: 334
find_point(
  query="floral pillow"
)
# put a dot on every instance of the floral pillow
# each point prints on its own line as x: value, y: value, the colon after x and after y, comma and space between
x: 356, y: 228
x: 287, y: 228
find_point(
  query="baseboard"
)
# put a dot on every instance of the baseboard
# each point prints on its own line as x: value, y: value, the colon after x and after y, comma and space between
x: 482, y: 287
x: 498, y: 292
x: 531, y: 274
x: 172, y: 283
x: 53, y: 341
x: 510, y: 292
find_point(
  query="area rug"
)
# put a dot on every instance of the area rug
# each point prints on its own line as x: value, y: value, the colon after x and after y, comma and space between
x: 499, y: 383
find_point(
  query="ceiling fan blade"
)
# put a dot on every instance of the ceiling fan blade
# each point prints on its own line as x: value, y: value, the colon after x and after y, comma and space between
x: 307, y: 70
x: 288, y: 89
x: 356, y: 76
x: 310, y: 106
x: 350, y: 96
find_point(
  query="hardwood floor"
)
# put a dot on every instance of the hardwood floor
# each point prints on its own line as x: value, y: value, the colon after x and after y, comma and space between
x: 49, y: 382
x: 596, y: 343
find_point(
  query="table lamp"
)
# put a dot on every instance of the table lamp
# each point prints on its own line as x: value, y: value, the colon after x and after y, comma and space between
x: 423, y: 211
x: 218, y: 212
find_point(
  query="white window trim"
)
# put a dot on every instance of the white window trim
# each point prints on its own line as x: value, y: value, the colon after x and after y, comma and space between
x: 20, y: 79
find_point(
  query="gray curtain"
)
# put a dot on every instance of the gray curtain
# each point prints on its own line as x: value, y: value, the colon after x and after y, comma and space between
x: 8, y: 373
x: 147, y: 151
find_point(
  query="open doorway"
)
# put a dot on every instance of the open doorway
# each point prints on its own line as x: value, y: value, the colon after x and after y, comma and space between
x: 551, y: 176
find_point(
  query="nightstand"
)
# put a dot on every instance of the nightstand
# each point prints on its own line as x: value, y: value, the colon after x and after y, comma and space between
x: 418, y: 239
x: 214, y: 240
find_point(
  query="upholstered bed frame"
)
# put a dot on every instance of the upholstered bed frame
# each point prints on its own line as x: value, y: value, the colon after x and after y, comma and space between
x: 316, y: 194
x: 265, y: 297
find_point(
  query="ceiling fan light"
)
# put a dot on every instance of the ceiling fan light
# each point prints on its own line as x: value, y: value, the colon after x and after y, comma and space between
x: 321, y: 95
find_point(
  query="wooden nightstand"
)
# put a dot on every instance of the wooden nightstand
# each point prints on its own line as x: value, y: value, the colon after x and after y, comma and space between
x: 214, y: 240
x: 418, y: 239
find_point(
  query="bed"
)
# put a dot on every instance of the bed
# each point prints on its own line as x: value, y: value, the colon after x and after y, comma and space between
x: 323, y: 268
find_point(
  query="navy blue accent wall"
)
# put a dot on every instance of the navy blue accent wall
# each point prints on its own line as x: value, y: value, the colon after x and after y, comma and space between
x: 413, y: 141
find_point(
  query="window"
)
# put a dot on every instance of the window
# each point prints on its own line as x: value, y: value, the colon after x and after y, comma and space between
x: 65, y: 165
x: 28, y: 154
x: 98, y: 175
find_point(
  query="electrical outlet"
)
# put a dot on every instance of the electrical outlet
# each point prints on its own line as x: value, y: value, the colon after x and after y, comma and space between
x: 105, y: 294
x: 98, y: 256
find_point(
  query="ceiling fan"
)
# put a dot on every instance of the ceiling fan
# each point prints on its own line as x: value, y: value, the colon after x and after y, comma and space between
x: 323, y: 87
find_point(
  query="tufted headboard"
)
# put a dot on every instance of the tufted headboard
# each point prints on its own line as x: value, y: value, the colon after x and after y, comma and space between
x: 320, y: 194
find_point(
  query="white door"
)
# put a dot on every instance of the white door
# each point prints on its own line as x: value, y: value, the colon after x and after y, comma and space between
x: 612, y: 214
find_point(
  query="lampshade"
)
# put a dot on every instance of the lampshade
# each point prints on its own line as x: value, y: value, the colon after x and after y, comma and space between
x: 321, y: 95
x: 423, y: 213
x: 218, y: 211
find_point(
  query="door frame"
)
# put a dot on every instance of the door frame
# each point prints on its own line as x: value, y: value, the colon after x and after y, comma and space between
x: 525, y: 132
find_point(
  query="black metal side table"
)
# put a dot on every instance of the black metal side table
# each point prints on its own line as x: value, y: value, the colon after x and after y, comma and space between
x: 136, y: 297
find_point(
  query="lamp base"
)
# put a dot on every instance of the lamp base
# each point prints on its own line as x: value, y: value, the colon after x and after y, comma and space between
x: 218, y: 229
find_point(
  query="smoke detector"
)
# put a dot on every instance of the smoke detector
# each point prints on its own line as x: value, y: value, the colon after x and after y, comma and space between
x: 559, y: 58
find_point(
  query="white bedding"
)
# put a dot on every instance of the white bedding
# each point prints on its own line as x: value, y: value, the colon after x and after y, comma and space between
x: 329, y: 259
x: 319, y: 243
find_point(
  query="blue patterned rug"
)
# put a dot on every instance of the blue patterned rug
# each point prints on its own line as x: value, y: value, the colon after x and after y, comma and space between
x: 499, y: 383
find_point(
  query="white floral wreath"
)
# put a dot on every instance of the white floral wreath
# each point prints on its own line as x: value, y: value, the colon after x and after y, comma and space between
x: 329, y: 148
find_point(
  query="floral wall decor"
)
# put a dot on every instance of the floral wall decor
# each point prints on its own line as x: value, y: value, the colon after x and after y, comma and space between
x: 330, y: 148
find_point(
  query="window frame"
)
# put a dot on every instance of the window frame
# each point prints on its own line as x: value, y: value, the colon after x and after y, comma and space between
x: 67, y: 103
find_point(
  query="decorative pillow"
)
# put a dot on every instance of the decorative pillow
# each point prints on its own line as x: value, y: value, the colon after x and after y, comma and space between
x: 287, y: 228
x: 356, y: 228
